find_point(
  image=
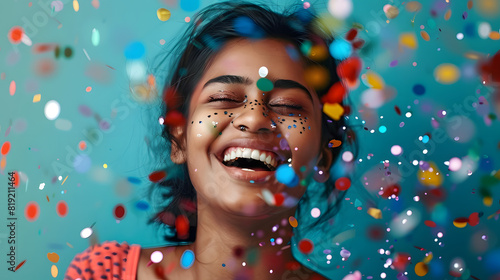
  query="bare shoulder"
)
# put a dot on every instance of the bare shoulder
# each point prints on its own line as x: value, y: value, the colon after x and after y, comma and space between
x: 157, y: 270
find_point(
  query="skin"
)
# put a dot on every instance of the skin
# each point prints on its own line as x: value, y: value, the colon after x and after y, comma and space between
x: 232, y: 213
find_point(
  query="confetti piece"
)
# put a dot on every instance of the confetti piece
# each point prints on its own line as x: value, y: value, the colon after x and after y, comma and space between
x: 354, y: 276
x: 62, y: 208
x: 306, y: 246
x: 135, y: 50
x: 96, y: 38
x: 76, y: 7
x: 264, y: 84
x: 5, y: 148
x: 428, y: 258
x: 293, y: 222
x: 335, y: 94
x: 460, y: 222
x: 69, y: 245
x: 390, y: 11
x: 390, y: 191
x: 446, y: 73
x: 20, y: 265
x: 425, y: 35
x: 53, y: 270
x: 494, y: 35
x: 421, y: 269
x: 86, y: 233
x: 408, y: 40
x: 119, y: 211
x: 15, y: 35
x: 430, y: 176
x: 473, y: 219
x: 375, y: 213
x: 316, y: 76
x: 278, y: 199
x: 163, y: 14
x: 64, y: 180
x: 37, y: 98
x: 470, y: 4
x: 286, y: 175
x: 340, y: 49
x: 52, y: 110
x: 413, y: 6
x: 157, y: 176
x: 430, y: 223
x: 53, y: 257
x: 12, y: 88
x: 342, y: 183
x: 334, y: 111
x: 31, y: 211
x: 447, y: 15
x: 334, y: 143
x: 182, y: 226
x: 174, y: 118
x: 142, y: 205
x: 340, y: 9
x: 373, y: 80
x: 48, y: 200
x: 187, y: 259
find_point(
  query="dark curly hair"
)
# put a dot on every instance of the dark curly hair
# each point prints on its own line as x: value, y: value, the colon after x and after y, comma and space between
x: 211, y: 28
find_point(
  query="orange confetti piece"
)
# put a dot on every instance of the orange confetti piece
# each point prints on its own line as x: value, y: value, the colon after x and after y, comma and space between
x: 293, y: 222
x: 425, y: 35
x: 3, y: 162
x: 12, y: 88
x: 421, y: 269
x: 37, y: 98
x: 447, y: 15
x: 82, y: 145
x: 19, y: 265
x: 460, y: 222
x: 48, y: 200
x: 5, y: 148
x: 470, y: 4
x: 53, y: 257
x: 335, y: 143
x: 88, y: 89
x: 375, y: 213
x: 494, y: 35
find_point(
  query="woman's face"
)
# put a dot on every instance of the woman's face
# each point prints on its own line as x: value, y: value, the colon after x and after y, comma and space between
x: 280, y: 133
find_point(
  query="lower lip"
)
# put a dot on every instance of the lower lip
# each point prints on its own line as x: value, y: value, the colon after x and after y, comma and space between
x: 247, y: 175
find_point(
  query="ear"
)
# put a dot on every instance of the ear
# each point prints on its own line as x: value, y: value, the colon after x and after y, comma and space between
x: 178, y: 153
x: 326, y: 159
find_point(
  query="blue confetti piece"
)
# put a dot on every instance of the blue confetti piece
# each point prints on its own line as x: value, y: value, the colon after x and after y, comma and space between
x: 187, y: 259
x: 189, y: 5
x: 135, y: 50
x: 340, y: 49
x: 286, y: 175
x: 382, y: 129
x: 245, y: 26
x: 134, y: 180
x: 142, y: 205
x: 418, y: 89
x: 425, y: 139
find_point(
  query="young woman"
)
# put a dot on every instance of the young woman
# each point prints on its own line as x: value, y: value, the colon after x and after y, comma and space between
x: 243, y: 116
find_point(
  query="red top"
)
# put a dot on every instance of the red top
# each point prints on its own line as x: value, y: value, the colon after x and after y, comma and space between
x: 109, y: 260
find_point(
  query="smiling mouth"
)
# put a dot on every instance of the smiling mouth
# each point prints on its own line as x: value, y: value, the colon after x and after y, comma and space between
x: 248, y: 163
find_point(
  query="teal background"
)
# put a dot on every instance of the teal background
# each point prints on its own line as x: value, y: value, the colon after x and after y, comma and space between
x: 42, y: 152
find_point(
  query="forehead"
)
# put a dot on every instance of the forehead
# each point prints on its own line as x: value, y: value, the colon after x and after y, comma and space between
x: 245, y: 57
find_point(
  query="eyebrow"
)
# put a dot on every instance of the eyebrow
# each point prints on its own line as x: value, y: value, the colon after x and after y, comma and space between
x: 280, y: 83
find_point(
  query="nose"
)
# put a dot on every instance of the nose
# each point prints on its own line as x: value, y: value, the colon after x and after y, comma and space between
x: 254, y: 121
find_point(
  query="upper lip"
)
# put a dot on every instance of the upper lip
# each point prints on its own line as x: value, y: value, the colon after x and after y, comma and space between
x: 252, y: 144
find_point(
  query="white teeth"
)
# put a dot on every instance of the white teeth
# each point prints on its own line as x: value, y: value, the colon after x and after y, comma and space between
x: 268, y: 159
x: 251, y: 153
x: 255, y: 155
x: 246, y: 153
x: 262, y: 157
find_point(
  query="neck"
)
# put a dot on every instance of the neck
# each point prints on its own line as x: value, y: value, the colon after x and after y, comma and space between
x: 228, y: 245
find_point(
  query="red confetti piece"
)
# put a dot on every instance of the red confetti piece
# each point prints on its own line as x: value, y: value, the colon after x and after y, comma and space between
x: 358, y: 44
x: 342, y: 183
x: 174, y: 118
x: 119, y: 211
x: 306, y: 246
x: 398, y: 111
x: 157, y: 176
x: 16, y: 34
x: 32, y: 211
x: 293, y: 265
x: 188, y: 205
x: 41, y: 48
x: 391, y: 190
x: 430, y: 223
x: 351, y: 34
x: 400, y: 261
x: 19, y: 265
x: 335, y: 94
x: 62, y: 208
x: 182, y: 227
x: 349, y: 69
x: 278, y: 199
x: 5, y: 148
x: 474, y: 219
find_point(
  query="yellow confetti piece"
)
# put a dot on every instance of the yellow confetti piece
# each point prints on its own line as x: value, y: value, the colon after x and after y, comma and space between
x: 53, y: 257
x: 459, y: 224
x: 497, y: 174
x: 421, y: 269
x: 163, y: 14
x: 334, y: 111
x: 494, y: 35
x: 375, y: 213
x: 413, y: 6
x: 408, y: 40
x: 488, y: 201
x: 374, y: 80
x: 425, y: 35
x: 427, y: 258
x: 105, y: 165
x: 54, y: 271
x: 37, y: 98
x: 446, y: 73
x: 76, y: 6
x: 293, y: 222
x: 447, y: 15
x: 64, y: 180
x: 431, y: 177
